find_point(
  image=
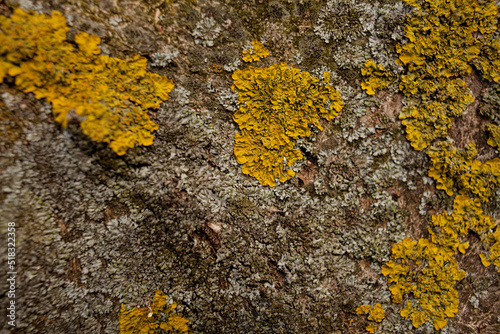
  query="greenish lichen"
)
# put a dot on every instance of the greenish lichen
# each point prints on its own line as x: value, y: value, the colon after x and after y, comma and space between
x: 164, y: 56
x: 491, y: 102
x: 343, y: 20
x: 206, y: 31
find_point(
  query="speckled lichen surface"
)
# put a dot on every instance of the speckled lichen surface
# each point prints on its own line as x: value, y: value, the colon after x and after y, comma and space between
x: 96, y: 231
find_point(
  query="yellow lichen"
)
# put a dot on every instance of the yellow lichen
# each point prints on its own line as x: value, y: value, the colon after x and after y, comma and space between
x: 364, y: 309
x: 426, y: 274
x: 494, y: 138
x: 492, y: 254
x: 110, y: 95
x: 256, y: 52
x: 444, y: 39
x: 371, y: 329
x: 457, y: 170
x: 427, y: 119
x: 378, y: 77
x: 278, y: 104
x: 448, y: 230
x: 148, y: 320
x: 376, y: 313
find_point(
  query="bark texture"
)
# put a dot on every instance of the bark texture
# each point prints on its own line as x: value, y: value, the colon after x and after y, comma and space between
x: 95, y: 230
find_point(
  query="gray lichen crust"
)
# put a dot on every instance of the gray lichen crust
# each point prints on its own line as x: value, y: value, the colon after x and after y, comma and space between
x: 344, y: 20
x: 206, y: 31
x: 163, y: 57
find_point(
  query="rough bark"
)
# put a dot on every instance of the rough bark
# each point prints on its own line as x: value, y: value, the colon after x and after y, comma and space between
x: 95, y: 230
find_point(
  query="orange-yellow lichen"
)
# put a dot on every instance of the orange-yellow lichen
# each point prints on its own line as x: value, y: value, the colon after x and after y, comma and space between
x: 378, y: 77
x: 426, y: 274
x: 494, y: 138
x: 278, y: 104
x: 427, y: 119
x: 110, y: 95
x: 371, y: 329
x: 447, y: 231
x: 376, y: 313
x: 492, y: 254
x: 256, y: 52
x: 148, y: 320
x: 458, y: 170
x: 444, y: 38
x: 364, y: 309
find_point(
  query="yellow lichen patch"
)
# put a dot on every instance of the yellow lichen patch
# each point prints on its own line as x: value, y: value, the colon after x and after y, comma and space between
x: 175, y: 324
x: 256, y: 52
x: 448, y: 230
x: 492, y: 254
x: 425, y: 118
x: 371, y: 329
x: 376, y: 313
x: 494, y: 138
x: 264, y: 163
x: 426, y: 274
x: 147, y: 320
x: 278, y: 104
x: 364, y: 309
x: 378, y: 77
x: 458, y: 170
x: 444, y: 39
x: 110, y: 95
